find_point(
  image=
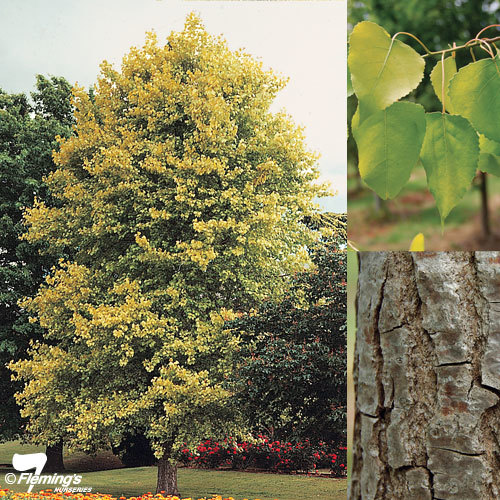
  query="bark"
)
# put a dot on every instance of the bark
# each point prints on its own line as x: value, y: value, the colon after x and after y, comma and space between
x: 427, y: 377
x: 55, y: 462
x: 167, y: 474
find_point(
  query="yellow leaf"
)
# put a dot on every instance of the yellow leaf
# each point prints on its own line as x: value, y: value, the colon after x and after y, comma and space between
x: 418, y: 243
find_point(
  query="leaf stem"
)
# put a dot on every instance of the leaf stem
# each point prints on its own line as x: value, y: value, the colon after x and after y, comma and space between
x: 442, y: 83
x: 415, y: 38
x: 487, y: 49
x: 351, y: 244
x: 471, y: 43
x: 487, y: 28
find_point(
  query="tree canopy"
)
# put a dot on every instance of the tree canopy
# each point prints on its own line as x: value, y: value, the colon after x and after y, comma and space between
x: 181, y: 200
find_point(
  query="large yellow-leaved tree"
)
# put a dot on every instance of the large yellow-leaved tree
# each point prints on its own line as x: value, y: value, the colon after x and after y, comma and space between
x: 180, y: 200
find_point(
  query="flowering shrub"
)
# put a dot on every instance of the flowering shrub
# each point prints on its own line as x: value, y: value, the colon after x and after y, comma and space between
x: 50, y: 495
x: 267, y: 454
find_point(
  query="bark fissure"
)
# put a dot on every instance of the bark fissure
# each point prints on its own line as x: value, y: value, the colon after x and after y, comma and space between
x: 382, y: 332
x: 460, y: 363
x: 379, y: 358
x: 431, y: 482
x: 470, y: 389
x: 459, y: 452
x: 368, y: 415
x: 494, y: 390
x: 478, y: 341
x: 383, y: 414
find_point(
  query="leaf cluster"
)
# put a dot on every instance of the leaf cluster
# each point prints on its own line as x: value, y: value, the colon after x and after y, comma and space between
x: 393, y: 136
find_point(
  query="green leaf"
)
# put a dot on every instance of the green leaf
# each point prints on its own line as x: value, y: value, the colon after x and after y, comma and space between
x: 355, y: 120
x: 489, y: 156
x: 489, y: 163
x: 488, y: 146
x: 350, y: 90
x: 450, y: 69
x: 382, y: 71
x: 450, y: 156
x: 389, y: 143
x: 475, y: 94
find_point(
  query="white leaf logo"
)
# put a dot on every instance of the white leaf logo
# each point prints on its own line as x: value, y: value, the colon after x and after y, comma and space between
x: 35, y: 461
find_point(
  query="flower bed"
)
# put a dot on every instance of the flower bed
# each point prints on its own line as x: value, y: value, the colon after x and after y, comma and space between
x: 269, y: 455
x: 51, y: 495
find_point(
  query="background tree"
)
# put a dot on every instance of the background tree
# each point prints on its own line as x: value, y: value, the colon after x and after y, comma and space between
x: 181, y: 200
x: 293, y: 371
x: 436, y: 22
x: 27, y: 138
x: 426, y: 376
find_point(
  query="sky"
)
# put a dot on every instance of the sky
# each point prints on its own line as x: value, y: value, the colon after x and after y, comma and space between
x: 302, y: 40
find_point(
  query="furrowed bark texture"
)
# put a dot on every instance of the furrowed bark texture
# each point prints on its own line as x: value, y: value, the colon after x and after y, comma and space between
x: 427, y: 377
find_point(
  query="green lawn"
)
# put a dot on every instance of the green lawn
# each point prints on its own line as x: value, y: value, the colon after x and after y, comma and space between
x: 192, y: 482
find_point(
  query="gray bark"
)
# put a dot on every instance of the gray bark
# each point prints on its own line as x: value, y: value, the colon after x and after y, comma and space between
x: 427, y: 377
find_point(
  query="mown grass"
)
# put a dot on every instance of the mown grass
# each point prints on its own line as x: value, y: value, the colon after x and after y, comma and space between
x: 193, y: 483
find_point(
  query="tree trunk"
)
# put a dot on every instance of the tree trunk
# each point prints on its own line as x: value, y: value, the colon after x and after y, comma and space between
x: 167, y: 475
x: 55, y: 461
x: 427, y: 377
x: 485, y: 212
